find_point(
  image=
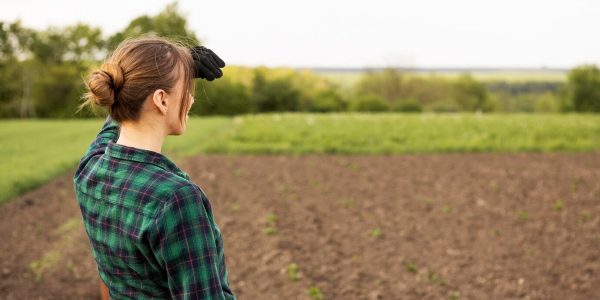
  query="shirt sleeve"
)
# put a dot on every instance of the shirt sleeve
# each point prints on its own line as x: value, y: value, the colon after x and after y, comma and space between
x: 184, y: 244
x: 110, y: 131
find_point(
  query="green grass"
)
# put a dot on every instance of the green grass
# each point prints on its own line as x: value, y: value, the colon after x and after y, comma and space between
x: 391, y: 133
x: 35, y: 151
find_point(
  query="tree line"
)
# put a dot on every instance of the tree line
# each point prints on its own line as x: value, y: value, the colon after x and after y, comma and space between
x: 41, y: 75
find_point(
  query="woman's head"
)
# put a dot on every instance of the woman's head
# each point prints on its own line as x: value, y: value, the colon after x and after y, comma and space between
x: 145, y: 79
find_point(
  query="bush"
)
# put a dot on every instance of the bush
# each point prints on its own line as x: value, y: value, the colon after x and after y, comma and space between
x: 57, y: 86
x: 387, y: 84
x: 409, y: 105
x: 469, y: 94
x: 10, y: 88
x: 326, y: 101
x: 446, y: 105
x: 584, y: 88
x: 369, y: 103
x: 278, y: 94
x: 221, y: 97
x: 547, y: 103
x: 243, y: 90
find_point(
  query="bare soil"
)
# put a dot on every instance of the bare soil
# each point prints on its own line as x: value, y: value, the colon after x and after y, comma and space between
x: 451, y: 226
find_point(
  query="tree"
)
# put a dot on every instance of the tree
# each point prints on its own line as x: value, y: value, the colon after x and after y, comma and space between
x: 41, y: 71
x: 75, y: 43
x: 52, y: 75
x: 15, y: 42
x: 584, y: 88
x: 470, y: 94
x: 168, y: 23
x: 277, y: 94
x: 368, y: 102
x: 56, y: 89
x: 388, y: 85
x: 221, y: 97
x: 326, y: 100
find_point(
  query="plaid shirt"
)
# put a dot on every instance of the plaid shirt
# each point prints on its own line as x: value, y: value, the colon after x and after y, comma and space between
x: 151, y: 230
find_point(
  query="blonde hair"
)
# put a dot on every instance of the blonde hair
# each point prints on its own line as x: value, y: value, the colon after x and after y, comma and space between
x: 134, y: 70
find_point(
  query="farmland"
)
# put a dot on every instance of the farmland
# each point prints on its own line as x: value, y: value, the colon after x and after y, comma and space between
x: 430, y: 226
x: 39, y: 150
x: 340, y: 206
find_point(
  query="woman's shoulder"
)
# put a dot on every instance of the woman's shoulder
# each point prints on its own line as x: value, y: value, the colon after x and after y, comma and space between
x: 188, y: 197
x: 189, y: 189
x: 170, y: 185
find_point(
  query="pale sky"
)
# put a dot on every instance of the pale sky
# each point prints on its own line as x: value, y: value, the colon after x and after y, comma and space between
x: 374, y: 33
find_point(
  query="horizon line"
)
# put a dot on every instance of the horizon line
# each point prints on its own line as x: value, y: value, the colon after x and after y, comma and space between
x: 435, y: 69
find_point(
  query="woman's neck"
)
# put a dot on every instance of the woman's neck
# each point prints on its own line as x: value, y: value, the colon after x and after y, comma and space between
x: 141, y: 136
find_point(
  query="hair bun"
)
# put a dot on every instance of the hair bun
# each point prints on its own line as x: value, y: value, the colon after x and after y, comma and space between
x: 115, y: 73
x: 105, y: 84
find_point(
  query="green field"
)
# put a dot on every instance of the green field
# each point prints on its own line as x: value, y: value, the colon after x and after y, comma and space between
x: 34, y: 151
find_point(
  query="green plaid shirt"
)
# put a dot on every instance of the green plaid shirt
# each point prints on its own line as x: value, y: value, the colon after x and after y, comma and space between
x: 151, y: 230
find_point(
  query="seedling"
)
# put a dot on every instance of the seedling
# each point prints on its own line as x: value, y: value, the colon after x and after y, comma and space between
x: 454, y: 295
x: 427, y: 200
x: 586, y: 216
x: 238, y: 172
x: 283, y: 188
x: 494, y: 186
x: 270, y: 230
x: 576, y: 183
x: 376, y: 233
x: 70, y: 265
x: 559, y: 205
x: 523, y: 215
x: 447, y: 209
x: 410, y: 266
x: 315, y: 293
x: 48, y: 261
x: 293, y: 196
x: 529, y: 251
x: 315, y: 183
x: 348, y: 202
x: 235, y: 206
x: 70, y: 225
x: 435, y: 278
x: 271, y: 218
x: 293, y: 272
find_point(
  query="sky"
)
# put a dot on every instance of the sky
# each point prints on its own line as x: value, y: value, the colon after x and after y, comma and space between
x: 358, y: 34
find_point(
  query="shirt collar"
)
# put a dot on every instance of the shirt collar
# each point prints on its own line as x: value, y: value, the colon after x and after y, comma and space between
x: 142, y: 155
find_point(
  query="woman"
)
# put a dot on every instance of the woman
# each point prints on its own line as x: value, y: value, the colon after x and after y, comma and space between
x: 150, y: 228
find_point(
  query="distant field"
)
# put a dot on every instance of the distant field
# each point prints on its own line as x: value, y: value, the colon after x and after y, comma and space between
x: 392, y: 133
x: 348, y: 79
x: 37, y: 150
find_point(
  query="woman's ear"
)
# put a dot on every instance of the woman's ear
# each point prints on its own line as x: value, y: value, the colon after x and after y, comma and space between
x: 161, y: 101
